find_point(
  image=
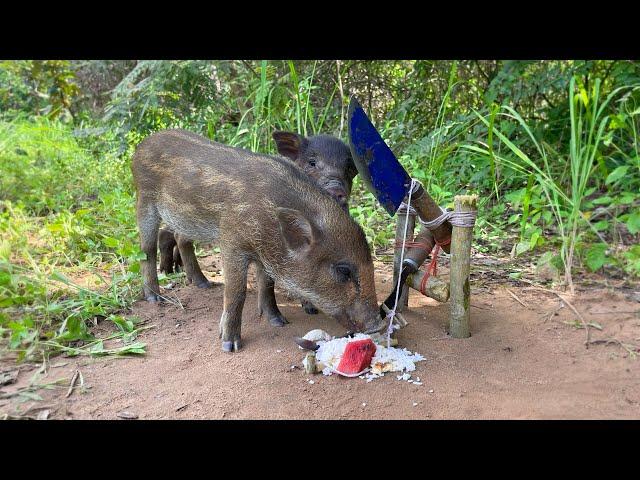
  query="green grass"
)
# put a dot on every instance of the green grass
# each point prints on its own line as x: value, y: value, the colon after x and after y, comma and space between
x: 69, y: 253
x: 565, y: 192
x: 65, y: 213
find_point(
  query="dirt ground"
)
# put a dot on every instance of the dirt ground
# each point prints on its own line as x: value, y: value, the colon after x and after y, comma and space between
x: 522, y: 362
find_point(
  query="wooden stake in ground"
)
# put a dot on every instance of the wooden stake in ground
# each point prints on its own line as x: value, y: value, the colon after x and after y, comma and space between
x: 460, y: 267
x: 404, y: 216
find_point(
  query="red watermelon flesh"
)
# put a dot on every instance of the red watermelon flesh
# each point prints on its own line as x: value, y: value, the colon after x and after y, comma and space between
x: 357, y: 356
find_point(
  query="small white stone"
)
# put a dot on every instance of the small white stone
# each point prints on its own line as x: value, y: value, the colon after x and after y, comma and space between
x: 311, y: 382
x: 415, y: 404
x: 364, y: 404
x: 279, y: 351
x: 431, y: 391
x: 417, y: 383
x: 418, y: 378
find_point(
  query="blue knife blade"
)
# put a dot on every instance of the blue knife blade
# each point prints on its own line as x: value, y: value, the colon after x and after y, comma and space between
x: 378, y: 167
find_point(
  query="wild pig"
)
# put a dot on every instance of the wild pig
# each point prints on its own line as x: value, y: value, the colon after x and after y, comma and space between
x: 260, y: 209
x: 170, y: 259
x: 324, y: 158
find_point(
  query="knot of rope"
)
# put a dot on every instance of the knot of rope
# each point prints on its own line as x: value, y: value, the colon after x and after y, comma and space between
x: 457, y: 219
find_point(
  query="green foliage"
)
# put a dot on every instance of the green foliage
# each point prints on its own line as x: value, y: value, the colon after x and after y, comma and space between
x: 551, y: 147
x: 45, y: 87
x: 564, y: 191
x: 62, y: 209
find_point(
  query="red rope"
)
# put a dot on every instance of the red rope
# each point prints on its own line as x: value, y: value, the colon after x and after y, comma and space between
x: 432, y: 269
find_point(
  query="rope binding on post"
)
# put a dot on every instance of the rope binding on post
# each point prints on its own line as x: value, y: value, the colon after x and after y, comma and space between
x: 457, y: 219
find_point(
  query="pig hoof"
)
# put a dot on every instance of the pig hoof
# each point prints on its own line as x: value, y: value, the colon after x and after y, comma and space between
x: 278, y: 321
x: 310, y: 309
x: 231, y: 346
x: 205, y: 284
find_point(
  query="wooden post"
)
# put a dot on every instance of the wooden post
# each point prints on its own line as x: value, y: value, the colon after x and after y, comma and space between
x: 460, y: 267
x: 409, y: 217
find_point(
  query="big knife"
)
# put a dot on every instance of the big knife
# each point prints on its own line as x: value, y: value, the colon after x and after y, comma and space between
x: 383, y: 174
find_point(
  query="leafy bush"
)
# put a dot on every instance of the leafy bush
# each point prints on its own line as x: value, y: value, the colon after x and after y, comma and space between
x: 550, y: 147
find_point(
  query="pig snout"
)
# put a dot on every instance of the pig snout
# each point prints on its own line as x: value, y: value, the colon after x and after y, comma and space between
x: 375, y: 324
x: 364, y: 318
x: 337, y: 190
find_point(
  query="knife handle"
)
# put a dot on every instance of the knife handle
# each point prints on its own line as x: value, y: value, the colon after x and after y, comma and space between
x: 416, y: 255
x: 428, y: 210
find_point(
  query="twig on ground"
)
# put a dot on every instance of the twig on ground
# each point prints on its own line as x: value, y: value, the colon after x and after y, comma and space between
x: 558, y: 308
x: 517, y: 299
x: 481, y: 308
x: 630, y: 348
x: 175, y: 302
x: 615, y: 311
x: 73, y: 383
x: 570, y: 305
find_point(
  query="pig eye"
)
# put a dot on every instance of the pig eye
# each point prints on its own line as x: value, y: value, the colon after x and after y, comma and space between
x: 343, y: 272
x: 312, y: 162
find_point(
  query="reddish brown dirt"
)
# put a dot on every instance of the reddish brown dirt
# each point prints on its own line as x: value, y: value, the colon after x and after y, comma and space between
x: 521, y: 362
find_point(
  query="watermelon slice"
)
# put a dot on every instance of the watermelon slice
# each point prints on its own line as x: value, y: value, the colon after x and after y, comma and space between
x: 357, y: 356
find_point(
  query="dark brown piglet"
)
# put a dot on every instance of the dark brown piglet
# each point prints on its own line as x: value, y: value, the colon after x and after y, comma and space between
x: 325, y: 159
x: 260, y: 209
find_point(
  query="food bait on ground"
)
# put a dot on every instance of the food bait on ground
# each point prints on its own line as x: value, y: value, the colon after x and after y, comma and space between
x: 330, y: 352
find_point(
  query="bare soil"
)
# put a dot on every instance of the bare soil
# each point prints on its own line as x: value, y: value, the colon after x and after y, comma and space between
x: 521, y: 362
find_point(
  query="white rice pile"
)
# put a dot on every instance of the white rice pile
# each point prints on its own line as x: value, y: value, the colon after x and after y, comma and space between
x: 385, y: 359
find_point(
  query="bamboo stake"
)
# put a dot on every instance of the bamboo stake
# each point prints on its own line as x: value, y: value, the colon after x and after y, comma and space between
x: 435, y: 288
x: 460, y: 268
x: 403, y: 217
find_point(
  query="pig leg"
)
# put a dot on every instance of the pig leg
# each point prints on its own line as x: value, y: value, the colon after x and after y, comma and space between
x: 190, y: 263
x: 166, y: 244
x: 267, y: 298
x: 177, y: 259
x: 309, y: 307
x: 235, y: 291
x: 148, y: 225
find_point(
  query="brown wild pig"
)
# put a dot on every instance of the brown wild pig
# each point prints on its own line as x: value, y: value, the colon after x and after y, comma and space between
x: 260, y: 209
x: 325, y: 158
x: 170, y: 259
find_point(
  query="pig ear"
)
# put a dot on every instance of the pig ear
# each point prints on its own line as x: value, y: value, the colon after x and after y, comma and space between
x: 296, y: 229
x: 289, y: 144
